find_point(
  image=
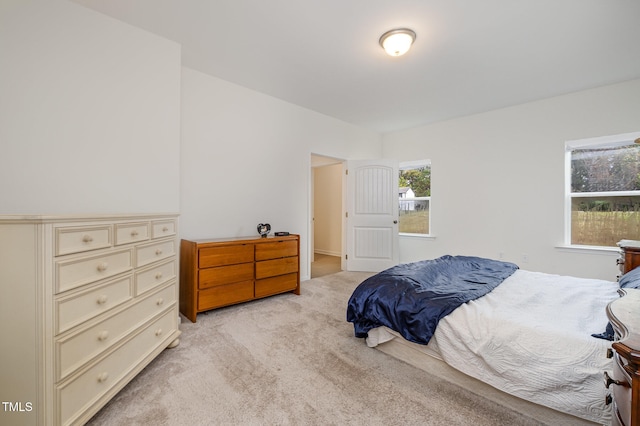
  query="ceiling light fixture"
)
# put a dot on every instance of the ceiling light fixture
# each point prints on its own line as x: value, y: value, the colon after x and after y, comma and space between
x: 397, y: 42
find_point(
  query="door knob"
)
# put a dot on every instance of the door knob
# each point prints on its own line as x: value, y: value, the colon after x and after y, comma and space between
x: 395, y: 221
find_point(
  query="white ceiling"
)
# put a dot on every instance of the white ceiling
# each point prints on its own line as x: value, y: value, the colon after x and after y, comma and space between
x: 470, y: 56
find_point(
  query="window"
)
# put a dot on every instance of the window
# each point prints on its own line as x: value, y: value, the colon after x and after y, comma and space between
x: 415, y: 197
x: 603, y: 190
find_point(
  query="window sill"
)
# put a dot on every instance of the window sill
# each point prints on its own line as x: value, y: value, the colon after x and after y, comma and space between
x: 589, y: 249
x: 420, y: 236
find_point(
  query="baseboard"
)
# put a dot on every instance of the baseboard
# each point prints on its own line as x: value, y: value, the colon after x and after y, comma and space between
x: 327, y: 253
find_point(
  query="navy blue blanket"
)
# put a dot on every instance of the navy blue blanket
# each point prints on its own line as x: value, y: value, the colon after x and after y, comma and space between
x: 411, y: 298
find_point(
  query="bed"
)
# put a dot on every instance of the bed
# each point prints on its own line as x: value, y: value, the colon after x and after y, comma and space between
x: 537, y: 336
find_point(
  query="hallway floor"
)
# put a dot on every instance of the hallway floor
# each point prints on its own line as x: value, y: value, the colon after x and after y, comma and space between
x: 324, y: 265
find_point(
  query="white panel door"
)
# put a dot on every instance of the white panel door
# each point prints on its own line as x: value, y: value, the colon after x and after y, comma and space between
x: 372, y: 215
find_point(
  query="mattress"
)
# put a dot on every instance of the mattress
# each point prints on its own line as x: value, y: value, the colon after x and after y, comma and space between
x: 531, y: 337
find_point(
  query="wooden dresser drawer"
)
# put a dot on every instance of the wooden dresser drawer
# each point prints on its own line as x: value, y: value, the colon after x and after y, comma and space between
x: 624, y: 382
x: 224, y: 295
x: 81, y: 239
x: 271, y: 268
x: 155, y: 276
x: 86, y: 389
x: 131, y: 232
x: 621, y: 394
x: 152, y: 252
x: 79, y: 271
x: 225, y: 255
x: 222, y: 275
x: 276, y: 249
x: 163, y: 228
x: 275, y: 285
x: 77, y: 348
x: 82, y: 306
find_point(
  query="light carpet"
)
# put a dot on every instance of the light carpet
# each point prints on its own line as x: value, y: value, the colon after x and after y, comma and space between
x: 292, y: 360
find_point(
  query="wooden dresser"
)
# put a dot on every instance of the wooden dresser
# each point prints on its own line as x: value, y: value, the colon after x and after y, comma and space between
x: 85, y: 304
x: 624, y: 382
x: 222, y: 272
x: 629, y: 255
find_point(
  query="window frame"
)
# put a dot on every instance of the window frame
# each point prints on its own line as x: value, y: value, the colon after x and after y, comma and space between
x: 409, y: 165
x: 598, y: 142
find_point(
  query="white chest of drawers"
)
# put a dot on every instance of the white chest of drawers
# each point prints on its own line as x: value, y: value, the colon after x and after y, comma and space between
x: 85, y: 304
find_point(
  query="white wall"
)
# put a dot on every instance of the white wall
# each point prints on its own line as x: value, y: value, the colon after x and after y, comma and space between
x: 246, y: 160
x: 497, y: 184
x: 89, y: 113
x: 92, y: 112
x: 328, y: 210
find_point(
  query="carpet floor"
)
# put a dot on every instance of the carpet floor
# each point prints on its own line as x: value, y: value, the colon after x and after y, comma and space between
x: 292, y: 360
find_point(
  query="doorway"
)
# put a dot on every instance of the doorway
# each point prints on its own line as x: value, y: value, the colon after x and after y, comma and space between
x: 326, y: 215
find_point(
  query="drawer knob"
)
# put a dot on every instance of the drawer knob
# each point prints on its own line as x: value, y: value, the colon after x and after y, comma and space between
x: 103, y: 335
x: 103, y: 266
x: 165, y: 229
x: 134, y: 233
x: 87, y: 239
x: 608, y: 381
x: 159, y: 332
x: 158, y: 275
x: 102, y: 299
x: 158, y: 252
x: 102, y: 377
x: 160, y: 301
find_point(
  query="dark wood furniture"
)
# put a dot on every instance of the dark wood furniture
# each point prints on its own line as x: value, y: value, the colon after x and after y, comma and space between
x: 624, y: 382
x: 629, y: 255
x: 222, y: 272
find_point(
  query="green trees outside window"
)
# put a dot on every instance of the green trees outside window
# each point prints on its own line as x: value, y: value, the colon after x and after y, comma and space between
x: 415, y: 199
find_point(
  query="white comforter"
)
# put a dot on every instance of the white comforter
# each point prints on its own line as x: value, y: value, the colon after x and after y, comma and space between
x: 531, y: 337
